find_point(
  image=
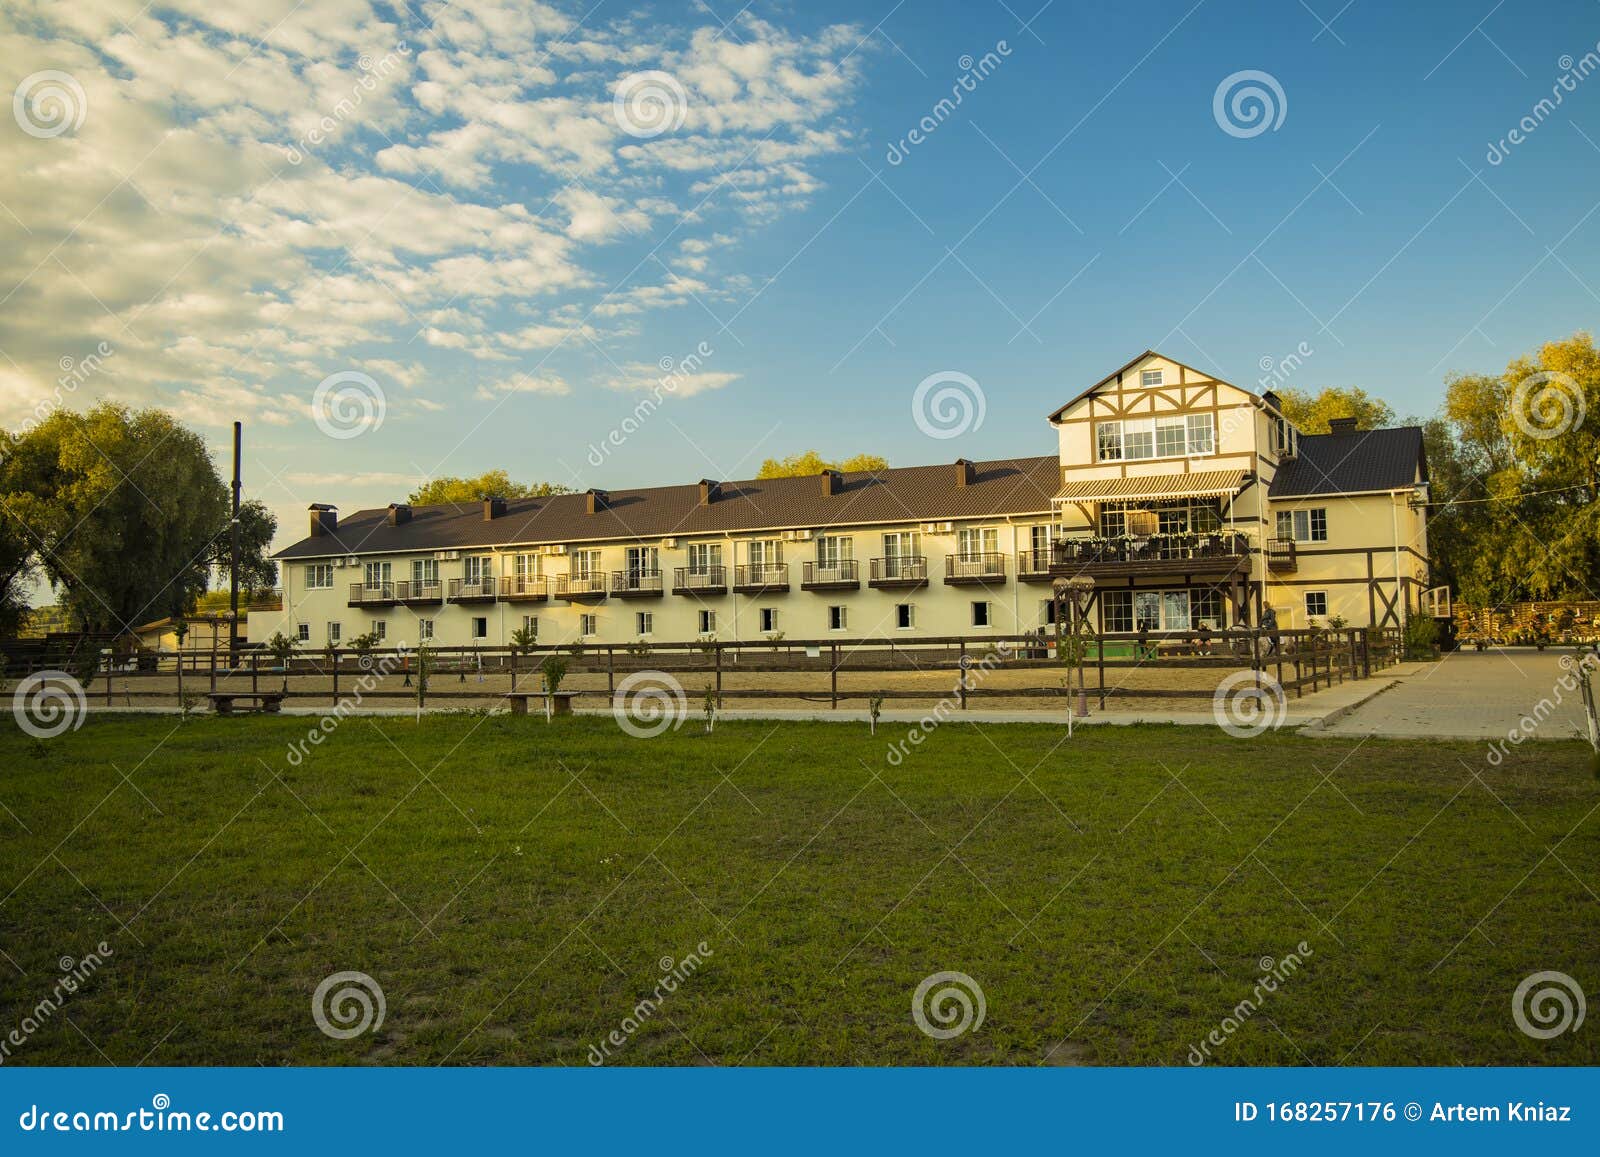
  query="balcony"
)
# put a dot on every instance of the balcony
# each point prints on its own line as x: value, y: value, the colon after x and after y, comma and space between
x: 474, y: 590
x: 1218, y: 553
x: 900, y: 572
x: 636, y: 584
x: 844, y: 575
x: 987, y: 567
x: 581, y: 588
x: 1280, y: 554
x: 761, y: 578
x: 524, y: 588
x: 376, y: 595
x: 700, y: 581
x: 415, y: 594
x: 1033, y: 566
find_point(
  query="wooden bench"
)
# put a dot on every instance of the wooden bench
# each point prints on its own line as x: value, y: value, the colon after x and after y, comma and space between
x: 267, y: 702
x: 560, y: 701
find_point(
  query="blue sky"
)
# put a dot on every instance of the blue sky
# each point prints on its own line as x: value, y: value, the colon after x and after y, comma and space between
x: 509, y: 266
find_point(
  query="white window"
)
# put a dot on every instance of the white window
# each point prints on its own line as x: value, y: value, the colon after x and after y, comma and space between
x: 766, y: 552
x: 903, y: 618
x: 708, y: 622
x: 530, y: 623
x: 1148, y: 378
x: 376, y: 575
x: 643, y: 560
x: 303, y: 632
x: 837, y: 618
x: 980, y: 615
x: 1174, y: 437
x: 1174, y: 610
x: 525, y: 566
x: 425, y: 571
x: 769, y: 619
x: 644, y: 622
x: 425, y: 630
x: 703, y: 556
x: 833, y: 549
x: 1316, y: 604
x: 971, y: 543
x: 902, y: 552
x: 334, y: 632
x: 585, y: 563
x: 1304, y: 525
x: 588, y: 625
x: 480, y: 627
x: 319, y: 576
x: 479, y: 567
x: 380, y: 630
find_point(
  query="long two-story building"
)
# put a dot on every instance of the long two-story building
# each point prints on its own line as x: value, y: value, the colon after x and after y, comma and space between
x: 1187, y: 499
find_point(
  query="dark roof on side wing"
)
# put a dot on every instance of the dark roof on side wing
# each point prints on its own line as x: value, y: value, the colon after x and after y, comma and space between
x: 904, y: 494
x: 1354, y: 463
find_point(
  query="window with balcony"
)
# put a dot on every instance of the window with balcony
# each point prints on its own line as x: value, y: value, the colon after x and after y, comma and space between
x: 425, y: 571
x: 1170, y: 516
x: 703, y: 556
x: 585, y: 563
x: 319, y: 576
x: 973, y: 542
x: 643, y: 560
x: 525, y: 566
x: 375, y: 575
x: 833, y: 549
x: 1309, y: 525
x: 479, y: 568
x: 765, y: 552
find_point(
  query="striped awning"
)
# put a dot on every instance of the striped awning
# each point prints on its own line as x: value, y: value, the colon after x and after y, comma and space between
x: 1200, y: 484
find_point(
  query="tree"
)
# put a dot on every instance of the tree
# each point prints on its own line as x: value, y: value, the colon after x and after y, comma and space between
x: 122, y: 511
x: 491, y: 484
x: 1311, y: 413
x: 810, y: 462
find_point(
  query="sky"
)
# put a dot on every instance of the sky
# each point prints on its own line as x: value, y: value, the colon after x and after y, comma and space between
x: 622, y: 244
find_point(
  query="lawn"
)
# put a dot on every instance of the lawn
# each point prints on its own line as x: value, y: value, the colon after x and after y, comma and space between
x: 517, y: 888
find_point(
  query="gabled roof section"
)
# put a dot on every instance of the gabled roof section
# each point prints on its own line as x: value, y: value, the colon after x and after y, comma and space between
x: 1359, y: 462
x: 904, y: 494
x: 1118, y: 372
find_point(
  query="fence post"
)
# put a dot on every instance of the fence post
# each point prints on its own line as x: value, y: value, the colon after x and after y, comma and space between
x: 334, y: 655
x: 1100, y: 663
x: 611, y: 670
x: 253, y: 658
x: 109, y: 663
x: 716, y: 650
x: 833, y: 679
x: 213, y: 668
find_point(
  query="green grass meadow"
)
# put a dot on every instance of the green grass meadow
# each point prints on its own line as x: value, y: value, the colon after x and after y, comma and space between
x: 516, y: 889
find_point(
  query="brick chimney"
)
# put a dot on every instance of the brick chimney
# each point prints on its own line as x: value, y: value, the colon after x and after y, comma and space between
x: 324, y: 519
x: 597, y: 500
x: 708, y: 491
x: 832, y: 482
x: 1341, y: 425
x: 493, y: 508
x: 966, y: 472
x: 399, y: 514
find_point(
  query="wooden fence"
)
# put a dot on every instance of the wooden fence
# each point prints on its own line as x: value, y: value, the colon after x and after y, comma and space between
x: 991, y: 668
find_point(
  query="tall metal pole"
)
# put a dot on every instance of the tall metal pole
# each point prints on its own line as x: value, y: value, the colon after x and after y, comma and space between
x: 233, y: 556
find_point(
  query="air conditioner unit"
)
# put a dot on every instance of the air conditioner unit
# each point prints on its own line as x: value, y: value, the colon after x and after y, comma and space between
x: 668, y: 543
x: 452, y: 555
x: 938, y: 528
x: 352, y: 561
x: 439, y: 556
x: 797, y: 536
x: 557, y: 549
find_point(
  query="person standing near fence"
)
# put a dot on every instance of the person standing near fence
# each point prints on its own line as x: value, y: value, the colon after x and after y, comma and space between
x: 1269, y: 624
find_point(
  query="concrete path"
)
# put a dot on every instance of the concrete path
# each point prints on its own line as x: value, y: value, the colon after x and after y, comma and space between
x: 1474, y: 695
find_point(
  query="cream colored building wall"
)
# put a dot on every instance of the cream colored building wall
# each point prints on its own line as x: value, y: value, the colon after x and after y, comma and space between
x: 938, y: 609
x: 1378, y: 538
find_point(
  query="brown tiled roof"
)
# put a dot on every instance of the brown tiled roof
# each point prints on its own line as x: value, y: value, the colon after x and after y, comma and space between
x: 904, y: 494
